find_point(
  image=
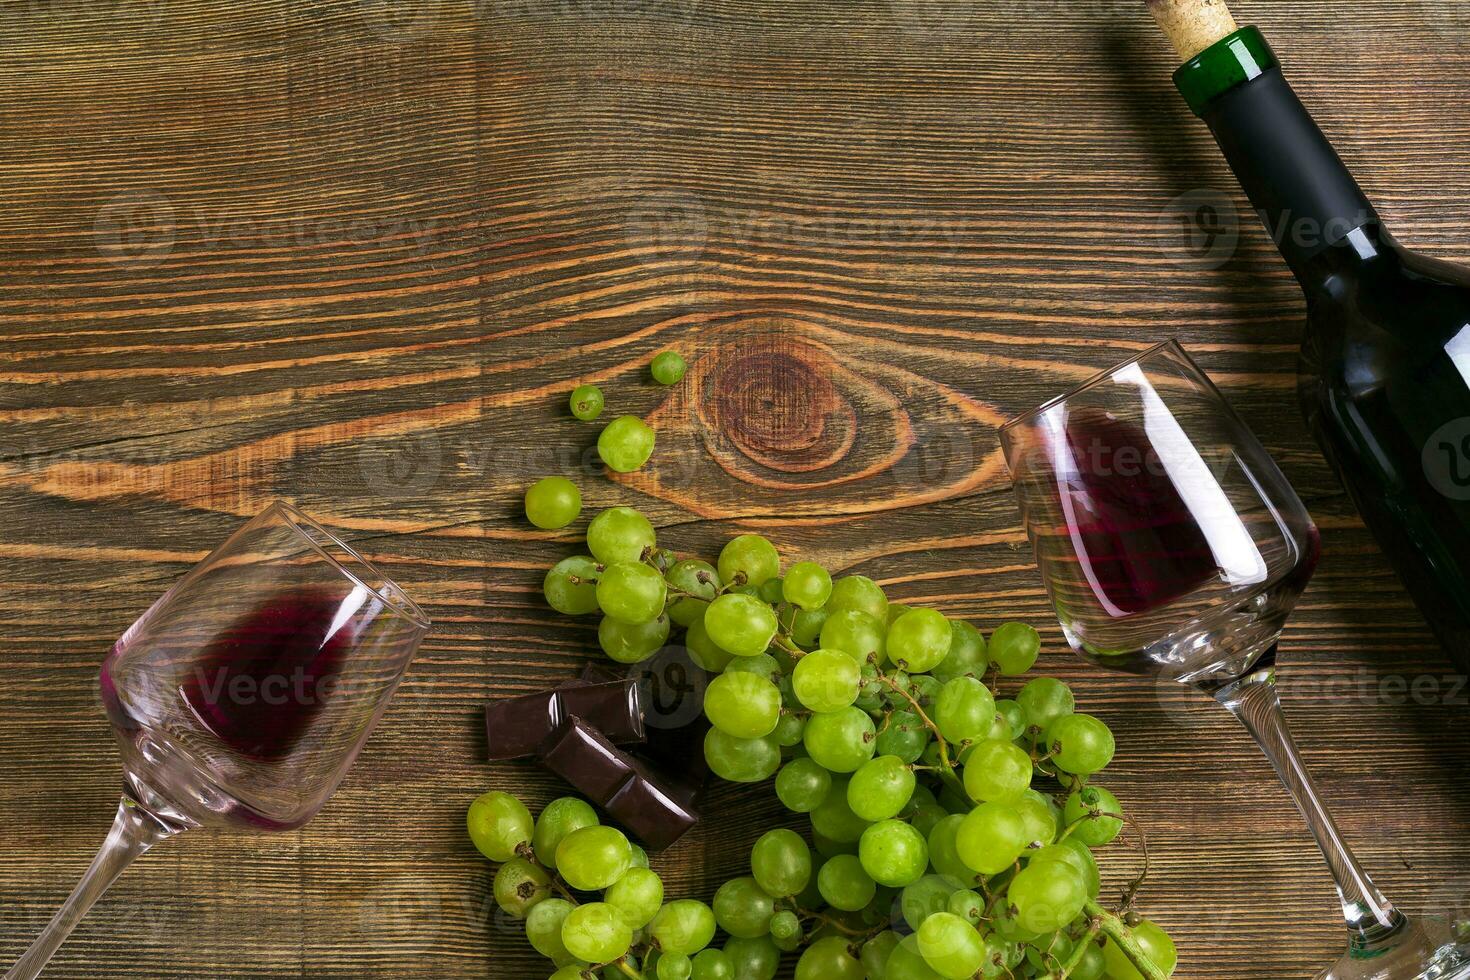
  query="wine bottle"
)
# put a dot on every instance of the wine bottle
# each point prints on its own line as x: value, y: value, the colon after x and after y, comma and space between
x: 1384, y: 372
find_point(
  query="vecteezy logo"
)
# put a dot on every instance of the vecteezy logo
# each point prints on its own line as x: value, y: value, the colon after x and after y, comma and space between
x: 136, y: 229
x: 399, y: 20
x: 1200, y: 229
x: 936, y: 20
x: 410, y: 466
x: 1446, y: 459
x: 667, y: 227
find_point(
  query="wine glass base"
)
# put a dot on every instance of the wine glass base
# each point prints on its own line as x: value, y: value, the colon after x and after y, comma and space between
x: 1423, y: 950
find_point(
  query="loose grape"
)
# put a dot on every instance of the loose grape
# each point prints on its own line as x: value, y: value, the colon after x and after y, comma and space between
x: 743, y: 705
x: 893, y: 853
x: 702, y: 583
x: 951, y: 946
x: 749, y: 560
x: 827, y: 680
x: 553, y: 502
x: 905, y: 736
x: 741, y: 760
x: 844, y: 884
x: 596, y: 933
x: 674, y: 966
x: 781, y: 863
x: 519, y: 886
x: 991, y: 837
x: 638, y: 895
x: 630, y: 643
x: 998, y: 772
x: 754, y: 959
x: 543, y: 928
x: 743, y: 909
x: 964, y: 709
x: 1047, y: 895
x: 631, y: 591
x: 668, y: 369
x: 967, y: 657
x: 685, y: 926
x: 1157, y: 946
x: 829, y: 958
x: 856, y: 634
x: 840, y: 741
x: 498, y: 824
x: 571, y: 586
x: 1044, y: 700
x: 592, y: 858
x: 586, y: 402
x: 619, y: 534
x: 834, y: 819
x: 741, y: 624
x: 1093, y: 802
x: 712, y: 964
x: 923, y: 898
x: 907, y: 963
x: 881, y: 788
x: 559, y: 819
x: 807, y: 585
x: 625, y: 444
x: 1014, y: 648
x: 704, y: 651
x: 1080, y: 744
x: 860, y: 593
x: 919, y: 640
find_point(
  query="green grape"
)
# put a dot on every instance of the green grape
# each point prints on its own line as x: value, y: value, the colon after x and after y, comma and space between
x: 844, y: 884
x: 1080, y: 744
x: 1086, y: 863
x: 876, y: 951
x: 749, y: 560
x: 553, y: 502
x: 638, y: 895
x: 701, y: 581
x: 926, y: 816
x: 668, y: 369
x: 743, y: 909
x: 1038, y: 817
x: 944, y: 853
x: 829, y: 958
x: 1157, y: 946
x: 827, y: 680
x: 807, y: 585
x: 571, y: 586
x: 856, y: 634
x: 785, y: 926
x: 625, y: 444
x: 763, y: 665
x: 789, y: 730
x: 619, y: 534
x: 904, y: 736
x: 743, y: 705
x: 893, y: 853
x: 519, y: 886
x: 631, y: 591
x: 630, y: 643
x: 907, y: 963
x: 674, y: 967
x: 968, y: 905
x: 964, y: 709
x: 706, y: 652
x: 951, y: 946
x: 560, y: 818
x: 862, y: 594
x: 991, y: 837
x: 967, y: 657
x: 919, y: 640
x: 1047, y: 895
x: 1092, y: 802
x: 685, y: 926
x: 741, y: 760
x: 806, y: 626
x: 596, y: 933
x: 592, y: 858
x: 834, y: 819
x: 1044, y: 700
x: 895, y: 610
x: 998, y: 772
x: 840, y: 741
x: 1093, y: 966
x: 498, y: 824
x: 881, y: 788
x: 640, y: 856
x: 586, y: 402
x: 741, y: 624
x: 781, y: 863
x: 712, y: 964
x: 1010, y: 722
x: 923, y: 898
x: 1014, y: 648
x: 771, y: 591
x: 572, y: 971
x: 753, y: 959
x: 543, y: 928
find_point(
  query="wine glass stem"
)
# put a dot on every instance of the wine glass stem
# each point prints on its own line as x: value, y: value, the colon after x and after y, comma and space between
x: 1371, y: 918
x: 133, y: 832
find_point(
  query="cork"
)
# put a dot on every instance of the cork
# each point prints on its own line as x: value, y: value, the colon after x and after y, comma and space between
x: 1193, y: 25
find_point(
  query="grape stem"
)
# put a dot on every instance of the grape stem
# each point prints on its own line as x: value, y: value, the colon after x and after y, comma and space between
x: 1117, y: 930
x: 1078, y: 953
x: 827, y: 920
x: 946, y: 768
x: 627, y: 970
x: 527, y: 854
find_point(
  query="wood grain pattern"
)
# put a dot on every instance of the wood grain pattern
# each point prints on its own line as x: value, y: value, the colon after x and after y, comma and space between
x: 354, y: 253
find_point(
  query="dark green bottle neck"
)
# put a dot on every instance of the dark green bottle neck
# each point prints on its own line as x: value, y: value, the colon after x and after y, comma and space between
x: 1303, y: 192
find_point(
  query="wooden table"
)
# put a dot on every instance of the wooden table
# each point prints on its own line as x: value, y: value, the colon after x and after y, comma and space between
x: 355, y: 253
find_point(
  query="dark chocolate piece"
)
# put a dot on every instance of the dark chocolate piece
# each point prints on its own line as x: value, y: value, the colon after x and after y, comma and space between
x: 516, y: 727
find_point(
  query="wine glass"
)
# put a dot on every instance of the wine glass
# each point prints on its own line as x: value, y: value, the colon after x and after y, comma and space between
x: 1172, y: 545
x: 242, y: 697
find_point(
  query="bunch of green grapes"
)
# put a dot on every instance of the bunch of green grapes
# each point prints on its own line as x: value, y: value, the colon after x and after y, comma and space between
x: 952, y: 832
